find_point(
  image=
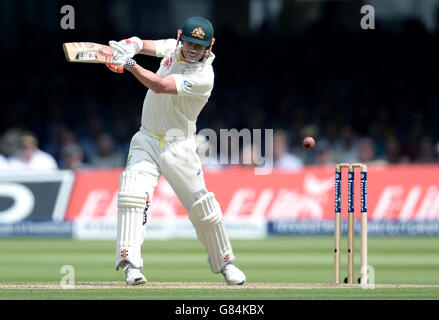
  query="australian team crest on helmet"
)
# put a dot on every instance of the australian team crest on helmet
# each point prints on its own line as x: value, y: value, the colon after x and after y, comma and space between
x: 198, y: 32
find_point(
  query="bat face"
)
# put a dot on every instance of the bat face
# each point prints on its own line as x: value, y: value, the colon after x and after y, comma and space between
x: 87, y: 52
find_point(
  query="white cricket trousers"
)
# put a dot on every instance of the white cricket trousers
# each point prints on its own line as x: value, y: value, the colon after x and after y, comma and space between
x: 177, y: 160
x: 149, y: 157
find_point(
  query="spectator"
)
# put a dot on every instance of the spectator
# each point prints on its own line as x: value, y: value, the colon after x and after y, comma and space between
x: 10, y: 142
x: 250, y: 155
x: 94, y: 128
x: 392, y: 153
x: 367, y: 154
x: 61, y: 136
x: 3, y: 163
x: 107, y: 156
x: 30, y: 157
x: 72, y: 157
x: 376, y: 132
x: 426, y: 151
x: 346, y: 146
x: 282, y: 159
x: 323, y: 153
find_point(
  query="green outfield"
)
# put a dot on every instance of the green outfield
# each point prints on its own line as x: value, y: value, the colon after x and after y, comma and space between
x: 276, y: 268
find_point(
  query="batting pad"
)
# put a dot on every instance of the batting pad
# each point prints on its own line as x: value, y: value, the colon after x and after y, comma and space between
x: 131, y: 204
x: 207, y: 218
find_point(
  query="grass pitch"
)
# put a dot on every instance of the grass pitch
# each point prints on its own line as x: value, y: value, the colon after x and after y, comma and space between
x: 281, y: 268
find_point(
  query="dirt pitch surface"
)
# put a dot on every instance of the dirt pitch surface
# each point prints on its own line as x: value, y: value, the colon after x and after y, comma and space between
x: 201, y: 285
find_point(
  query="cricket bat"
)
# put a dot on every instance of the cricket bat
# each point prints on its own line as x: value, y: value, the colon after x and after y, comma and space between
x: 87, y: 52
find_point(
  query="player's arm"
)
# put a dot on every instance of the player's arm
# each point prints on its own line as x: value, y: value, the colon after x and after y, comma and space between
x: 153, y: 81
x: 134, y: 45
x: 123, y: 60
x: 148, y: 48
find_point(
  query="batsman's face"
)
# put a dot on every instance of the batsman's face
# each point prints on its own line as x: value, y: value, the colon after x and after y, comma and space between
x: 193, y: 52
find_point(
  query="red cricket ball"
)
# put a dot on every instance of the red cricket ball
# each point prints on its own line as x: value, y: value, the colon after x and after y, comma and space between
x: 308, y: 143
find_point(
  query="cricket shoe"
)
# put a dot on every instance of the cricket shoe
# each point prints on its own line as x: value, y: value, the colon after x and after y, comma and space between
x: 133, y: 276
x: 233, y: 275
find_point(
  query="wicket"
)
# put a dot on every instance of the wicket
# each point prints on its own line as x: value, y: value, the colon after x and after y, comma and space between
x: 351, y: 214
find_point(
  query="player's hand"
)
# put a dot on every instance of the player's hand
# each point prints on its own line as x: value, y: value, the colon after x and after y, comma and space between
x: 128, y: 65
x: 132, y: 45
x: 126, y: 48
x: 121, y: 54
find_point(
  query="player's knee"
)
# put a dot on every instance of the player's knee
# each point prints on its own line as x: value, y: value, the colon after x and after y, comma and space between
x: 194, y: 197
x: 132, y: 192
x: 205, y: 211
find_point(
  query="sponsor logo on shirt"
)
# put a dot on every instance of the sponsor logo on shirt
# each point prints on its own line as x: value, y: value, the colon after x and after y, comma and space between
x: 187, y: 84
x: 168, y: 63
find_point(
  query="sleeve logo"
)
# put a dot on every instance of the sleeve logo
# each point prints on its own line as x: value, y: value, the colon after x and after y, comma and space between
x: 187, y: 84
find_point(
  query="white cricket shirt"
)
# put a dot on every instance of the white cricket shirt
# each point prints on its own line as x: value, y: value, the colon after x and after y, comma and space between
x: 164, y: 113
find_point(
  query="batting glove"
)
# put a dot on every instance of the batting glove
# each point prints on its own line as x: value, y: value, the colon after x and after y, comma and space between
x: 121, y: 54
x: 114, y: 68
x: 128, y: 65
x: 133, y: 45
x: 129, y: 47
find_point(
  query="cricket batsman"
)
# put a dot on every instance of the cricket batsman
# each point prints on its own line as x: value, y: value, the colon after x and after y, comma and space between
x: 165, y: 144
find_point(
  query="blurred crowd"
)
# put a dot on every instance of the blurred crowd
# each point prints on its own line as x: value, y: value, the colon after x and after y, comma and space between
x: 365, y: 96
x: 21, y: 151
